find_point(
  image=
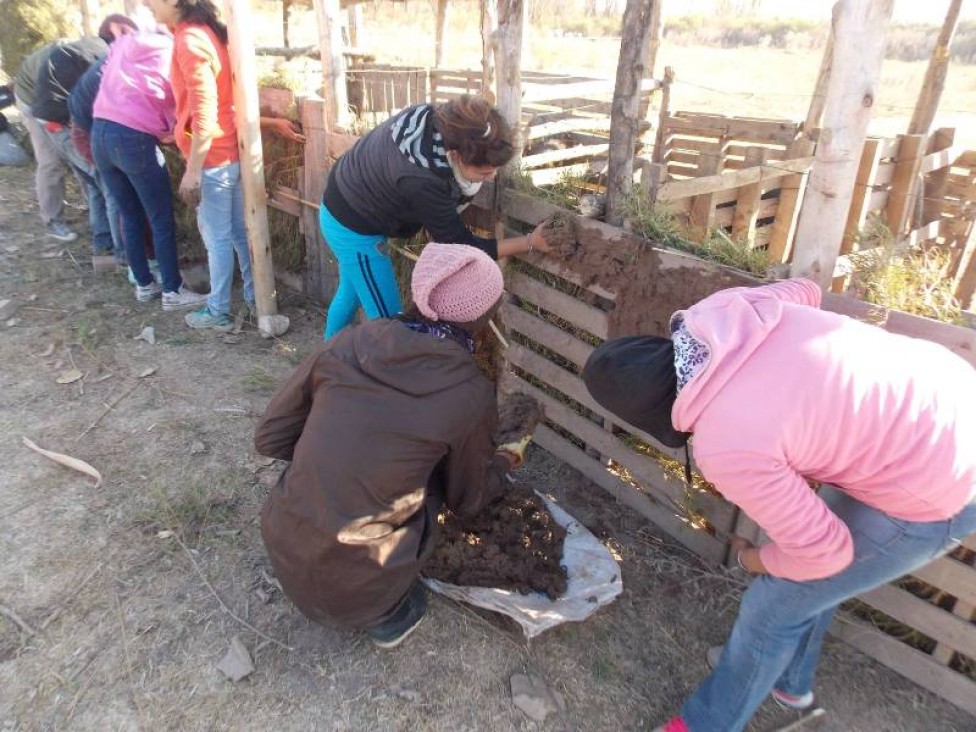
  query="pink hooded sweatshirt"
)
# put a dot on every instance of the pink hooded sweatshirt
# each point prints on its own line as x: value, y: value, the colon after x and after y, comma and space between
x: 135, y: 90
x: 791, y: 392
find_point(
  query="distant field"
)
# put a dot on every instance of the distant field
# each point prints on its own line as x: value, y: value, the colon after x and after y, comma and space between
x: 748, y: 81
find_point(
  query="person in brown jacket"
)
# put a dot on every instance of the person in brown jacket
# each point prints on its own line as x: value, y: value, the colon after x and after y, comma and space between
x: 383, y: 424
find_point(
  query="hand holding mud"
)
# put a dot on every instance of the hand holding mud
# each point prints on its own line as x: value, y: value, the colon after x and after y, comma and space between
x: 190, y: 189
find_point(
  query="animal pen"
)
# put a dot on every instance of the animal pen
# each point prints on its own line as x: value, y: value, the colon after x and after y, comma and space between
x: 746, y: 178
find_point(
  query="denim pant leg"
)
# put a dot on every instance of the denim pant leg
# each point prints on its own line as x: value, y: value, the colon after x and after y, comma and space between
x: 220, y: 217
x: 366, y: 277
x: 108, y: 149
x: 114, y: 219
x: 777, y: 635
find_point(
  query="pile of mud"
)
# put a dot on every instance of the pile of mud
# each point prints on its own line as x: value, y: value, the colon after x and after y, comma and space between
x: 518, y: 415
x: 628, y: 266
x: 514, y: 544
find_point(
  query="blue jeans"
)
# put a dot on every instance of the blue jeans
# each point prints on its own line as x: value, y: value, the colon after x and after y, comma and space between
x: 98, y: 219
x: 366, y: 277
x: 220, y: 217
x: 776, y: 639
x: 132, y: 167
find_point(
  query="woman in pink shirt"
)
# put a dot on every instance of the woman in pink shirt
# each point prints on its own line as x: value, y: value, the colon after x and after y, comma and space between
x: 133, y: 113
x: 776, y: 393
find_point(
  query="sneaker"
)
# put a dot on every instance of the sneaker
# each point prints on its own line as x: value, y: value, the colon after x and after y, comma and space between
x: 796, y: 703
x: 405, y: 619
x: 147, y: 293
x: 793, y: 702
x: 182, y: 298
x: 60, y: 231
x: 203, y: 318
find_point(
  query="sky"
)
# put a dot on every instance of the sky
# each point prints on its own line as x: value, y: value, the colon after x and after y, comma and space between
x: 906, y: 11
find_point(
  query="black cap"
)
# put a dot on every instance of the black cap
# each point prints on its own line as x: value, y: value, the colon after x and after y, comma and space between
x: 635, y: 379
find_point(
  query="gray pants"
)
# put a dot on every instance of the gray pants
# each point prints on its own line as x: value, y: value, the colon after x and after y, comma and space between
x: 49, y: 177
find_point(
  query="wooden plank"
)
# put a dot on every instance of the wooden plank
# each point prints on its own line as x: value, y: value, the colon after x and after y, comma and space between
x: 647, y: 472
x: 547, y: 264
x: 910, y: 663
x: 747, y: 206
x: 736, y: 179
x: 569, y: 153
x: 547, y: 129
x: 705, y: 546
x: 886, y: 171
x: 544, y: 333
x: 565, y: 306
x: 858, y: 214
x: 939, y: 159
x: 952, y: 576
x: 924, y: 617
x: 738, y: 129
x: 904, y: 184
x: 958, y: 339
x: 551, y: 176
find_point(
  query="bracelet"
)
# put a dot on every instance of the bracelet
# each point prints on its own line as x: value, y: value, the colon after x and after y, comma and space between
x: 738, y: 560
x: 530, y: 241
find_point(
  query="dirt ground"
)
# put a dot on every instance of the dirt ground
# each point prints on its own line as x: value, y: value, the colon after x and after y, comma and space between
x: 118, y: 601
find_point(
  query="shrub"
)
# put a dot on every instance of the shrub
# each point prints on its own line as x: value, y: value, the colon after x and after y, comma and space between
x: 29, y: 24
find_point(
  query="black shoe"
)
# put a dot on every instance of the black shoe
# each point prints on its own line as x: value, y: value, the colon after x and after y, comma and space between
x: 405, y: 618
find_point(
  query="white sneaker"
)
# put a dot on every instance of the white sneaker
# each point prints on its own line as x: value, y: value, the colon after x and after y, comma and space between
x: 182, y: 298
x: 147, y: 293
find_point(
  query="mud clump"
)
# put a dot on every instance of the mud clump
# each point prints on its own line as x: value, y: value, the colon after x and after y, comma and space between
x: 518, y: 415
x: 627, y: 265
x: 513, y: 544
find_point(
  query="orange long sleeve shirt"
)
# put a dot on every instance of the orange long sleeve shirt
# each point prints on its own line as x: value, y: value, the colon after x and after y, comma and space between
x: 204, y: 94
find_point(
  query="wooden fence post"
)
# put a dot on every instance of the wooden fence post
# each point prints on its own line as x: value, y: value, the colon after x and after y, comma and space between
x: 657, y: 155
x: 860, y: 202
x: 937, y: 180
x: 489, y: 45
x: 624, y: 111
x: 329, y: 16
x: 511, y: 14
x: 935, y: 75
x: 321, y: 272
x: 904, y: 184
x: 965, y: 280
x: 247, y: 118
x: 860, y: 30
x: 701, y: 218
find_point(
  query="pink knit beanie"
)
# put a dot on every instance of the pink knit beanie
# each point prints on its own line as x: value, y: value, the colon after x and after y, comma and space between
x: 455, y: 282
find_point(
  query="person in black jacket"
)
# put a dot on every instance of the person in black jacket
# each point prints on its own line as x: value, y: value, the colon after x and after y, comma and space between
x: 419, y: 169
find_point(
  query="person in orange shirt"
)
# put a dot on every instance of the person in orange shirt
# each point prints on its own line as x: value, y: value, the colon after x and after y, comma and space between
x: 206, y: 135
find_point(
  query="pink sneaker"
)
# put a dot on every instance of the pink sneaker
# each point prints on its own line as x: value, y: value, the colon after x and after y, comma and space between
x: 675, y: 724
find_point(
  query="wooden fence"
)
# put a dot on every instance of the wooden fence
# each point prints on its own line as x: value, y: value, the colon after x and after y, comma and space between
x: 559, y: 319
x: 553, y: 329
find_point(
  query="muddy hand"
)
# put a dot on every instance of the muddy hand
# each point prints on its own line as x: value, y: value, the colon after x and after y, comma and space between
x: 539, y: 242
x: 190, y: 190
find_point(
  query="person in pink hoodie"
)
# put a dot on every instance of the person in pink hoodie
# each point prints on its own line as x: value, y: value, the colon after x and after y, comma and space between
x: 777, y: 394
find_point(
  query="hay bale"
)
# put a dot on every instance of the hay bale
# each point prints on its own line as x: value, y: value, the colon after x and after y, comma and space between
x: 29, y: 24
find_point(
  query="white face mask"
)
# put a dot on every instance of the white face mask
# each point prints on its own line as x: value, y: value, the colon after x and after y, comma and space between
x: 467, y: 187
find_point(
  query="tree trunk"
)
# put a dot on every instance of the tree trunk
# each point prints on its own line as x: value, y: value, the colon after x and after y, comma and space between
x: 247, y: 118
x: 624, y: 111
x: 329, y: 16
x: 511, y: 15
x: 935, y: 75
x: 860, y: 30
x: 489, y: 44
x: 441, y: 25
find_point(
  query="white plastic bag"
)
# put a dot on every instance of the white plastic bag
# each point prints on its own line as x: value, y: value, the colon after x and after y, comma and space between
x: 593, y: 581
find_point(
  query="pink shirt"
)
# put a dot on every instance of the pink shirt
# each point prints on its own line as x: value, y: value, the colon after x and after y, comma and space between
x: 791, y: 392
x: 135, y: 89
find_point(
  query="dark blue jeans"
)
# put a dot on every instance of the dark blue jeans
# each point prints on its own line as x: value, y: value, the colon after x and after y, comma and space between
x: 134, y: 171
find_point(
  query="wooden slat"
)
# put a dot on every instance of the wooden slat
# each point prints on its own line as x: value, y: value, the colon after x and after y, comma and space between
x: 646, y: 471
x: 547, y: 129
x: 735, y: 179
x: 924, y: 617
x: 737, y: 129
x: 939, y: 159
x: 705, y: 546
x: 565, y: 306
x: 886, y: 171
x: 910, y: 663
x: 952, y: 576
x: 747, y: 205
x: 555, y: 339
x: 904, y: 184
x: 858, y: 213
x: 569, y: 153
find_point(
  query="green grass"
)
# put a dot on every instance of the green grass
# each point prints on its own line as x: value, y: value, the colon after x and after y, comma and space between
x: 258, y: 380
x: 564, y: 193
x: 664, y: 230
x: 187, y: 508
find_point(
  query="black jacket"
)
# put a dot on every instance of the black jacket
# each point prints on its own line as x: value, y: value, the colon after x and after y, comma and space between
x: 375, y: 189
x: 57, y: 77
